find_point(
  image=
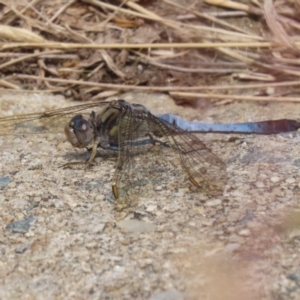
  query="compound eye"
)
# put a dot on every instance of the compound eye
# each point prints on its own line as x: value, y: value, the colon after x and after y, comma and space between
x: 79, y: 132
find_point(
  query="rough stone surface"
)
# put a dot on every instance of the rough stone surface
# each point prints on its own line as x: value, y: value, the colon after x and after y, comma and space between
x: 60, y: 239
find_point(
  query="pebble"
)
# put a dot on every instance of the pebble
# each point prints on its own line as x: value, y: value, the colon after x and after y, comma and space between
x: 214, y: 202
x: 70, y: 201
x: 263, y: 176
x: 9, y: 194
x: 290, y: 180
x: 221, y: 219
x: 277, y: 191
x: 236, y: 239
x: 232, y: 247
x: 99, y: 197
x: 136, y: 226
x: 12, y: 184
x: 125, y: 241
x: 253, y: 224
x: 37, y: 199
x: 2, y: 198
x: 22, y: 248
x: 145, y: 263
x: 4, y: 180
x: 230, y: 229
x: 245, y: 232
x: 20, y: 226
x: 260, y: 200
x: 29, y: 234
x: 151, y: 208
x: 63, y: 146
x: 207, y: 222
x: 274, y: 179
x: 260, y: 184
x: 170, y: 294
x: 98, y: 228
x: 261, y: 208
x: 238, y: 193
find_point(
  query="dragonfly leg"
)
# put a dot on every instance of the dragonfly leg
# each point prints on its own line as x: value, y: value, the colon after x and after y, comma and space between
x: 73, y: 163
x: 87, y: 163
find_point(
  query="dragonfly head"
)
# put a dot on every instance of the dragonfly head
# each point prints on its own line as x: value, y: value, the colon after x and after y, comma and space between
x: 79, y: 132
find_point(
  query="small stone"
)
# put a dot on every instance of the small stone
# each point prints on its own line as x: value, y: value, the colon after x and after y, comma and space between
x: 70, y: 201
x: 245, y: 232
x: 214, y: 202
x: 260, y: 184
x: 37, y: 199
x: 230, y: 229
x: 9, y: 194
x: 275, y: 179
x: 125, y: 241
x: 2, y: 198
x: 263, y: 175
x: 261, y: 201
x: 290, y: 180
x: 136, y: 226
x: 277, y: 192
x: 232, y: 247
x: 63, y: 146
x: 183, y: 191
x: 99, y: 197
x: 85, y: 267
x: 4, y: 180
x: 294, y: 234
x: 20, y: 226
x: 221, y: 220
x: 253, y: 225
x: 98, y: 228
x: 261, y: 208
x: 29, y: 234
x: 192, y: 223
x: 171, y: 294
x: 22, y: 248
x: 207, y: 222
x: 12, y: 184
x: 145, y: 263
x: 236, y: 239
x: 151, y: 208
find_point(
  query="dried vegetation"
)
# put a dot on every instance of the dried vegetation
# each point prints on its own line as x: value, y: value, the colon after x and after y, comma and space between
x: 91, y: 49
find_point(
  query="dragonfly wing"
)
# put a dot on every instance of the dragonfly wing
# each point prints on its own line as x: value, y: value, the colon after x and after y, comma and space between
x: 142, y: 162
x: 141, y: 167
x: 204, y: 169
x: 49, y: 121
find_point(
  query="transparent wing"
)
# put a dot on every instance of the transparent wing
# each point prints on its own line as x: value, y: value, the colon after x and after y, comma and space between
x: 204, y: 169
x: 155, y: 156
x: 49, y: 121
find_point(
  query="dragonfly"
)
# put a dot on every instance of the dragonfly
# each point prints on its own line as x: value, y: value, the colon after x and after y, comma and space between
x: 146, y: 145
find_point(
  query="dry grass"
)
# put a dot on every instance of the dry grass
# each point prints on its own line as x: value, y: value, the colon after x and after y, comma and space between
x: 92, y: 49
